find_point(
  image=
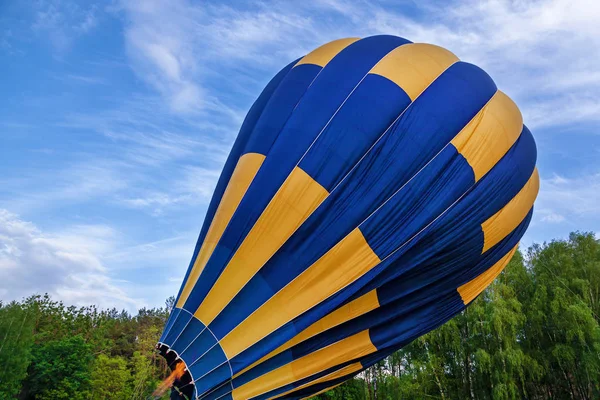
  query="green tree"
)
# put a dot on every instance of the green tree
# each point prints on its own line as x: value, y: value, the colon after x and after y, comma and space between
x: 16, y: 341
x: 60, y: 369
x: 110, y: 379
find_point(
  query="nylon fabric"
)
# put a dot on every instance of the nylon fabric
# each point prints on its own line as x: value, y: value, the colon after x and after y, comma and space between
x: 375, y: 189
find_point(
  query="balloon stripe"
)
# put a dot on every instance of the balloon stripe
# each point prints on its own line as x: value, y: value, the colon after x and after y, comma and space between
x: 368, y: 114
x: 464, y: 109
x: 490, y: 134
x: 504, y: 221
x: 375, y: 189
x: 280, y: 105
x: 353, y: 347
x: 243, y: 175
x: 297, y: 198
x: 450, y: 277
x: 344, y: 371
x: 324, y: 54
x: 324, y: 390
x: 414, y: 66
x: 356, y: 308
x: 469, y: 291
x: 352, y: 255
x: 237, y: 150
x: 338, y: 79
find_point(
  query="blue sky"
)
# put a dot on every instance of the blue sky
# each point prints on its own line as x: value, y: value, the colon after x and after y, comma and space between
x: 116, y: 118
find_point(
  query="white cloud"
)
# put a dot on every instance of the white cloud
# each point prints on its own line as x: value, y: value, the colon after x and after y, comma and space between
x: 61, y: 23
x: 544, y: 53
x: 194, y: 187
x: 204, y: 63
x: 566, y: 204
x: 576, y: 196
x: 90, y: 80
x: 68, y: 264
x: 71, y: 183
x: 552, y: 217
x: 157, y: 40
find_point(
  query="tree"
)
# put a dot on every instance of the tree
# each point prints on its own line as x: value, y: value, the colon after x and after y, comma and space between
x: 16, y: 340
x: 60, y: 369
x: 110, y: 379
x: 533, y: 334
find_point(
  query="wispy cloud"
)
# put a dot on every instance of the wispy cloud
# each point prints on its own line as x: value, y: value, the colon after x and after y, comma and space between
x: 577, y: 197
x: 90, y: 80
x: 141, y: 126
x: 63, y: 186
x: 194, y: 187
x: 66, y: 264
x: 544, y: 53
x: 61, y: 22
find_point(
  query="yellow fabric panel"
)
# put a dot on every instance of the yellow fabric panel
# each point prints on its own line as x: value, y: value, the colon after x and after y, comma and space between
x: 243, y: 174
x: 341, y: 265
x: 471, y: 289
x: 347, y: 370
x: 498, y: 226
x: 322, y: 55
x: 356, y: 308
x: 295, y: 200
x: 489, y: 135
x: 414, y: 66
x: 352, y: 347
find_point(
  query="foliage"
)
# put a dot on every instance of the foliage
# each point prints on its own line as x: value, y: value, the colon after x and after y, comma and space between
x: 533, y: 334
x: 60, y: 369
x: 49, y: 351
x: 110, y: 378
x: 16, y: 340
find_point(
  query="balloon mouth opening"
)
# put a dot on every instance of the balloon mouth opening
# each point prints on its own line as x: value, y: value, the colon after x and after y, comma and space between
x: 183, y: 386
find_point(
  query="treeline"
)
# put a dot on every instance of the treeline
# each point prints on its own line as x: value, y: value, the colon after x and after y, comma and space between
x: 533, y: 334
x: 49, y: 351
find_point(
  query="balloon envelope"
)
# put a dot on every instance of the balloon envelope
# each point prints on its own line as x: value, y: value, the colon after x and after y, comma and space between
x: 376, y: 187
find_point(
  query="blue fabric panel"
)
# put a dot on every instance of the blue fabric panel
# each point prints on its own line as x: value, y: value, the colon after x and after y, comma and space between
x: 172, y: 317
x: 326, y: 94
x: 419, y: 202
x: 202, y: 344
x: 269, y: 365
x: 240, y: 361
x: 213, y: 378
x: 369, y: 112
x: 457, y: 234
x: 260, y: 137
x: 178, y: 326
x: 192, y: 330
x: 221, y: 392
x: 424, y: 129
x: 424, y: 319
x: 306, y: 392
x: 400, y: 298
x: 296, y: 384
x: 280, y: 107
x: 435, y: 276
x: 212, y: 361
x: 236, y: 151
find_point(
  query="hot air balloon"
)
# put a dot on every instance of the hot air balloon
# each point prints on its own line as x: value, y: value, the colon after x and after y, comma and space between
x: 376, y: 187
